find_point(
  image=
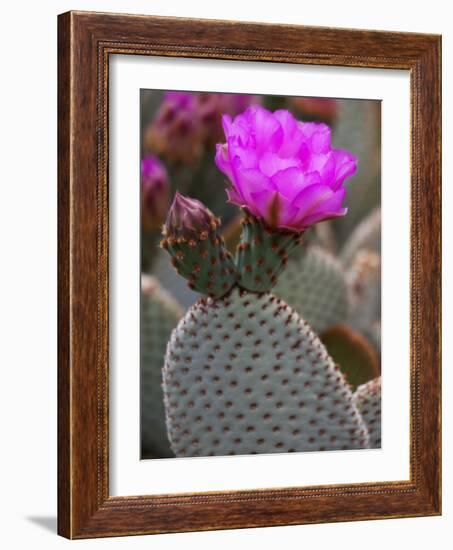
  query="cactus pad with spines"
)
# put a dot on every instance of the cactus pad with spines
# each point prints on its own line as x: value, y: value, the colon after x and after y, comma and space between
x: 314, y: 284
x: 192, y: 238
x: 262, y: 254
x: 368, y: 400
x: 245, y: 374
x: 159, y: 314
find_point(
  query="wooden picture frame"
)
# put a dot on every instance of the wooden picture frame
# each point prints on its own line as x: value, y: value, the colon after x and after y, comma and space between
x: 85, y: 42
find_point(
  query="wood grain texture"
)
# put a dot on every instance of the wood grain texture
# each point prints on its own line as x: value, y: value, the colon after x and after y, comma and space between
x: 64, y: 390
x: 86, y: 40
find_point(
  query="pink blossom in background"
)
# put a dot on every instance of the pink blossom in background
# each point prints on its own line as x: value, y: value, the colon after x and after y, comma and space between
x: 155, y: 189
x: 174, y: 132
x: 186, y: 123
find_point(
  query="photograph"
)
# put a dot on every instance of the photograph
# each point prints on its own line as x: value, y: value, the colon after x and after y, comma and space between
x: 260, y: 306
x: 249, y: 273
x: 224, y: 303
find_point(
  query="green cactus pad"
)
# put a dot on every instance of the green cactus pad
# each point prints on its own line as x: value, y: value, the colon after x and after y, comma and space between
x: 368, y: 400
x: 358, y: 131
x: 232, y: 232
x: 324, y: 236
x: 245, y: 374
x: 353, y: 353
x: 320, y: 233
x: 203, y: 260
x: 262, y: 254
x: 159, y: 315
x: 367, y: 234
x: 364, y: 280
x: 314, y: 284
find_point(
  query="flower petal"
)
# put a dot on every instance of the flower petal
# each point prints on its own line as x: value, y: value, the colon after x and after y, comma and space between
x: 293, y: 137
x: 292, y: 181
x: 333, y: 203
x: 270, y: 163
x: 234, y: 197
x: 247, y: 181
x: 248, y: 156
x: 324, y: 215
x: 222, y: 160
x: 324, y: 164
x: 275, y: 209
x: 345, y: 166
x: 268, y: 131
x: 308, y: 200
x: 317, y: 136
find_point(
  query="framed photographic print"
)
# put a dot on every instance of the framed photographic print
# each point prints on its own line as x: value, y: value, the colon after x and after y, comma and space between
x: 249, y: 275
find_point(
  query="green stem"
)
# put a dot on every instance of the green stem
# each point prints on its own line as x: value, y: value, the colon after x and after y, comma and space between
x: 262, y: 254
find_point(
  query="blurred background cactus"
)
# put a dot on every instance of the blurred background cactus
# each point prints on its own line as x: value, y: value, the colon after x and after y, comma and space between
x: 332, y: 282
x: 159, y: 314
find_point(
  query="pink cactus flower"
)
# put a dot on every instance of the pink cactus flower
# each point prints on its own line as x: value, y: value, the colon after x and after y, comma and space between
x: 155, y: 192
x: 174, y: 132
x: 282, y: 171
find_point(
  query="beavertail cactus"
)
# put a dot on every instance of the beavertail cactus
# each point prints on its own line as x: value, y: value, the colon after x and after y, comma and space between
x: 368, y: 400
x: 314, y: 284
x: 159, y: 315
x: 244, y: 373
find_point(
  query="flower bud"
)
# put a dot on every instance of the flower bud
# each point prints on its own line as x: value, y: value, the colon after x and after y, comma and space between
x: 198, y: 252
x: 188, y: 219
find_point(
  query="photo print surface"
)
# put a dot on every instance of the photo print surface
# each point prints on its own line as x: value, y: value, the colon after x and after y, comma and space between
x: 260, y: 301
